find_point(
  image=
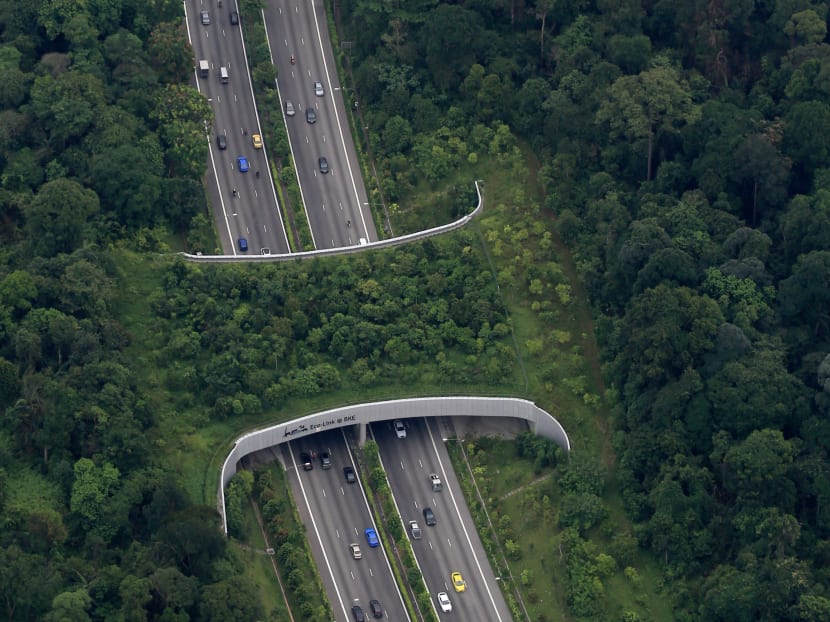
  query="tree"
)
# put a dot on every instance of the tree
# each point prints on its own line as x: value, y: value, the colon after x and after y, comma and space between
x: 183, y: 116
x: 807, y: 135
x: 758, y: 467
x: 28, y: 583
x: 232, y: 599
x: 645, y: 106
x: 805, y: 295
x: 126, y: 179
x: 58, y: 215
x: 451, y: 36
x: 169, y: 51
x: 756, y: 391
x: 665, y: 330
x: 70, y: 607
x: 807, y: 27
x: 90, y: 490
x: 765, y: 169
x: 68, y: 106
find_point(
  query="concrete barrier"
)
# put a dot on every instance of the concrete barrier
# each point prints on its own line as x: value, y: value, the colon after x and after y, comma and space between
x: 541, y: 422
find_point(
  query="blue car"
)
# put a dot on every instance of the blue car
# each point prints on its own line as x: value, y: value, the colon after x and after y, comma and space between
x: 371, y: 537
x: 242, y: 163
x: 243, y: 244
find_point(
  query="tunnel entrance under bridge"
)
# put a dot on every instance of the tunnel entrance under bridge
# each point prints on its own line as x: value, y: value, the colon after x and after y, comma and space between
x: 540, y: 422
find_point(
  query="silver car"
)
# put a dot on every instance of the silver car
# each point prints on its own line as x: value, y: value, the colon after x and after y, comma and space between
x: 289, y: 109
x: 205, y: 18
x: 444, y: 602
x: 318, y: 89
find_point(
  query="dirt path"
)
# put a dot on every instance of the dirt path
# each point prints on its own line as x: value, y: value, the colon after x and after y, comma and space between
x: 515, y: 491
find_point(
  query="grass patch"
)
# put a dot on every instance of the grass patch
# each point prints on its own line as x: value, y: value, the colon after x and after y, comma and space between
x: 258, y: 568
x: 514, y: 492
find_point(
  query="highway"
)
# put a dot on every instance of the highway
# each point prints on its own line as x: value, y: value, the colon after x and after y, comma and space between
x: 336, y: 202
x: 453, y: 543
x: 336, y: 514
x: 245, y: 204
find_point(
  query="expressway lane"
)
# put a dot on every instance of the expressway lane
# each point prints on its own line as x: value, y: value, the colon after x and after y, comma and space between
x: 245, y: 204
x: 336, y: 514
x: 336, y: 202
x: 453, y: 543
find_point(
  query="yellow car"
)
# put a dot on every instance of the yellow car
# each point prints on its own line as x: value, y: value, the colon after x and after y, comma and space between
x: 458, y: 582
x: 257, y: 141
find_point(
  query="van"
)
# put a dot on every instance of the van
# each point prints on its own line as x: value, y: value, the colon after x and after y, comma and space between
x: 223, y: 74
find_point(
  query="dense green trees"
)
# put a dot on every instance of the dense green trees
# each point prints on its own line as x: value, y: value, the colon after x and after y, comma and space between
x: 95, y: 525
x: 684, y: 154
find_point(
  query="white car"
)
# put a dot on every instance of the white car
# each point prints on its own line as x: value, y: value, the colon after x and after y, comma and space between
x: 444, y: 602
x: 318, y: 89
x: 400, y: 428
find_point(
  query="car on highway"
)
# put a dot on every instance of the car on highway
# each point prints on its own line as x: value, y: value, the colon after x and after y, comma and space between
x: 205, y: 18
x: 222, y: 142
x: 242, y: 163
x: 325, y: 460
x: 289, y: 109
x: 234, y: 18
x: 357, y: 613
x: 415, y: 530
x: 324, y: 165
x: 257, y: 140
x: 429, y: 517
x: 400, y: 428
x: 305, y: 458
x: 371, y: 537
x: 318, y: 89
x: 458, y: 582
x: 348, y: 473
x: 243, y: 244
x: 376, y: 609
x: 444, y: 602
x: 310, y: 115
x: 354, y: 547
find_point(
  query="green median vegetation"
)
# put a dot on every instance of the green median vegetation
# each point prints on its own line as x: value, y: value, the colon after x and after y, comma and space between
x: 386, y: 514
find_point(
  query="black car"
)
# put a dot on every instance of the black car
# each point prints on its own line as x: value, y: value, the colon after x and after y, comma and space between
x: 234, y: 18
x: 348, y: 472
x: 221, y: 141
x: 325, y: 460
x: 357, y: 612
x: 310, y: 115
x: 324, y: 166
x: 305, y: 458
x: 429, y: 517
x: 377, y: 610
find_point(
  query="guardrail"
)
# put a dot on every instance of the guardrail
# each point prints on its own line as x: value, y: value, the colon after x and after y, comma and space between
x: 345, y: 250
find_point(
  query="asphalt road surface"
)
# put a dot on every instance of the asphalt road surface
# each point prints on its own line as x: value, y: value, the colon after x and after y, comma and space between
x: 245, y: 204
x: 453, y: 543
x: 336, y: 202
x: 336, y: 514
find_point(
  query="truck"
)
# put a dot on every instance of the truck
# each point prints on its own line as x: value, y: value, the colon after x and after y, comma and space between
x: 204, y: 67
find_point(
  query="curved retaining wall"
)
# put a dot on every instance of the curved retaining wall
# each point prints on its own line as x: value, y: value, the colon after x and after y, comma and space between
x: 344, y: 250
x: 541, y: 422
